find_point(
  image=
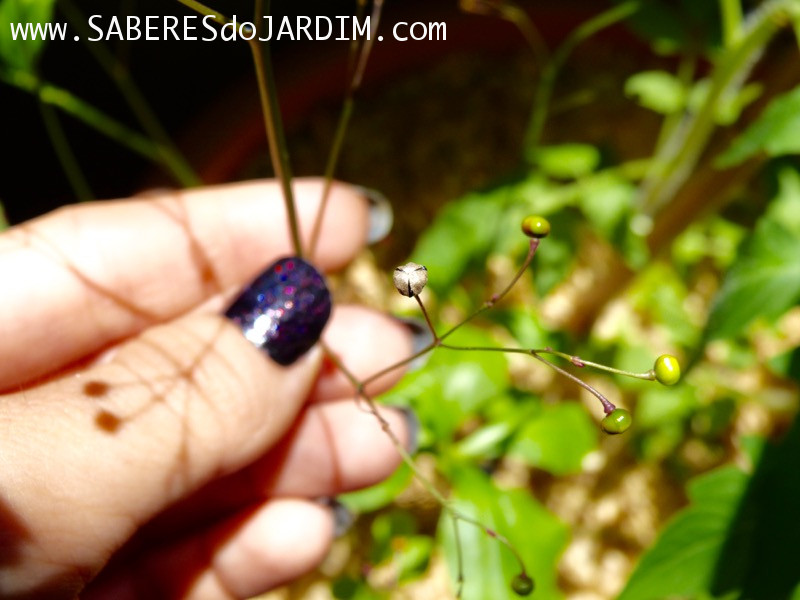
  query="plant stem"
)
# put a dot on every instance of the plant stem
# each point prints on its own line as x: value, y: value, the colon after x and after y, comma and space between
x: 278, y: 150
x: 205, y: 10
x: 608, y: 406
x: 731, y: 11
x: 171, y: 157
x: 75, y: 176
x: 579, y: 362
x: 678, y: 157
x: 547, y: 81
x: 83, y: 111
x: 359, y: 60
x: 408, y: 460
x: 534, y: 244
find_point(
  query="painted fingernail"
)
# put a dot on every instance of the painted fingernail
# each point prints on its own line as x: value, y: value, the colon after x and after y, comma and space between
x: 421, y: 338
x: 412, y: 426
x: 381, y: 216
x: 343, y: 518
x: 284, y: 310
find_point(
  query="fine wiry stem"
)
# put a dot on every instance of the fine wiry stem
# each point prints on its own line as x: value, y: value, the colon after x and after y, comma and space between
x: 446, y: 505
x: 359, y: 59
x: 428, y: 321
x: 607, y: 405
x: 75, y: 176
x: 273, y: 125
x: 580, y: 362
x: 495, y: 298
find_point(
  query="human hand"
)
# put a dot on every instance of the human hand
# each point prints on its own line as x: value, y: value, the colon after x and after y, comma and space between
x: 147, y: 448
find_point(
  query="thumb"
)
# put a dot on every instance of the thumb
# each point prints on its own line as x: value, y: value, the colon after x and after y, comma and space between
x: 112, y: 446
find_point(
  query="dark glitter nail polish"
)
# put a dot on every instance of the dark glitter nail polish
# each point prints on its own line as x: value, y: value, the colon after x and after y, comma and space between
x: 284, y: 310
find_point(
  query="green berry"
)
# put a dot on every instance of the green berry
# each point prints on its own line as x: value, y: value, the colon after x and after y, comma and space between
x: 522, y: 585
x: 535, y: 226
x: 667, y: 369
x: 617, y: 421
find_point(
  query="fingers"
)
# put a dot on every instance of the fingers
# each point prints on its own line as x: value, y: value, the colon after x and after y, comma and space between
x: 367, y: 342
x: 96, y: 273
x: 247, y: 555
x: 179, y: 405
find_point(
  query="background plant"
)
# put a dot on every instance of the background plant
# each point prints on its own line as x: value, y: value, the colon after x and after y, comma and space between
x: 690, y: 248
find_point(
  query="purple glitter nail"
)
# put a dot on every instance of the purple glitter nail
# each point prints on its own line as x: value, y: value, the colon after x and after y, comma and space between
x: 284, y: 310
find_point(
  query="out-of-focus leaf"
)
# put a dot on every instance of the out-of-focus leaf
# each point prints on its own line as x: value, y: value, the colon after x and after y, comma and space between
x: 380, y: 494
x: 682, y: 561
x: 463, y: 230
x: 557, y: 439
x: 568, y: 161
x: 729, y: 106
x: 605, y: 201
x: 537, y: 535
x: 659, y: 91
x: 452, y: 386
x: 764, y: 282
x: 776, y: 132
x: 737, y: 539
x: 487, y: 441
x: 23, y: 53
x: 658, y: 405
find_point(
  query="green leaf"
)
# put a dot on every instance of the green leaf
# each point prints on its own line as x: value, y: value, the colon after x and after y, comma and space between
x: 489, y: 566
x: 3, y: 218
x: 20, y: 53
x: 682, y: 561
x: 379, y: 495
x: 452, y: 386
x: 568, y: 161
x: 557, y: 439
x: 776, y: 132
x: 737, y: 539
x: 659, y: 91
x: 764, y: 282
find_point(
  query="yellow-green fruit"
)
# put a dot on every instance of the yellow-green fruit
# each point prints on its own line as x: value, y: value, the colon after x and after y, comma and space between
x: 617, y: 421
x: 522, y: 585
x: 535, y: 226
x: 667, y: 369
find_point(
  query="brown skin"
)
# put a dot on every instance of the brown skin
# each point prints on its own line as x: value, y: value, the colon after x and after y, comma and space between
x: 148, y: 449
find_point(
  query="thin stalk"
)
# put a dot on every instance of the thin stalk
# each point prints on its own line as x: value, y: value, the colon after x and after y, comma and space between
x: 547, y: 82
x: 579, y: 362
x: 273, y: 125
x: 731, y: 11
x: 408, y: 460
x: 205, y: 10
x: 171, y: 157
x: 359, y: 62
x: 534, y: 244
x: 681, y: 154
x: 72, y: 169
x: 607, y: 404
x: 96, y: 119
x: 427, y: 318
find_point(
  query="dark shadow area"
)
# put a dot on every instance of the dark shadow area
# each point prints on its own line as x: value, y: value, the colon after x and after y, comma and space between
x: 760, y: 555
x: 12, y: 533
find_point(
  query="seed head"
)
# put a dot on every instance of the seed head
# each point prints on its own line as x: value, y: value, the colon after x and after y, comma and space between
x: 410, y: 278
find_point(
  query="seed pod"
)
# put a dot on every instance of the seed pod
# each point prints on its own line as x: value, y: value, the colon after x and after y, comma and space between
x: 617, y: 421
x: 410, y: 279
x: 667, y: 369
x: 535, y: 226
x: 522, y: 585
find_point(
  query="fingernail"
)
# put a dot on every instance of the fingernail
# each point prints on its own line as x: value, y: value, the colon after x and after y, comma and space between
x: 284, y: 310
x: 421, y: 338
x: 412, y: 426
x: 381, y: 216
x: 343, y: 518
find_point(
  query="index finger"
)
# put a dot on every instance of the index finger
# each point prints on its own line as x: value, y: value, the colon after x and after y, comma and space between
x: 86, y: 276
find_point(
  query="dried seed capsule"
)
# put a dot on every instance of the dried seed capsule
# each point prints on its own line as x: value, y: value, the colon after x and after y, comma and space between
x: 410, y: 279
x: 667, y: 369
x: 617, y: 421
x: 535, y: 226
